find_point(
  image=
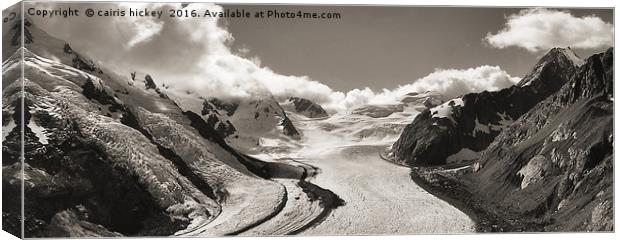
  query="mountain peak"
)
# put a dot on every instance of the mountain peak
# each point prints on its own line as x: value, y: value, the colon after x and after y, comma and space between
x: 305, y: 107
x: 568, y: 53
x: 557, y: 61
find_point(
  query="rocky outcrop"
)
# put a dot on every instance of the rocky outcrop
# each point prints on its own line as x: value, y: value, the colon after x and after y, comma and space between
x: 68, y: 224
x: 81, y: 62
x: 306, y: 107
x: 149, y: 83
x: 289, y: 129
x: 212, y: 111
x: 472, y: 121
x: 229, y: 108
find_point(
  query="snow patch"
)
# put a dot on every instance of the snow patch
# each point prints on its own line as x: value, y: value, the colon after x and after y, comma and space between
x: 465, y: 154
x: 10, y: 64
x: 44, y: 64
x: 269, y: 142
x: 504, y: 122
x: 533, y: 75
x: 533, y: 171
x: 480, y: 128
x: 39, y: 131
x: 6, y: 129
x: 577, y: 61
x: 446, y: 110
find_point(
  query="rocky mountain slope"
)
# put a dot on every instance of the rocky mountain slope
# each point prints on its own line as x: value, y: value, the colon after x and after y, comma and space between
x: 549, y: 169
x: 304, y: 107
x: 466, y: 125
x: 110, y: 155
x: 555, y: 163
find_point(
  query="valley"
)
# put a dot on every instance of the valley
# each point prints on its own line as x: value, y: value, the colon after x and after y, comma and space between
x: 91, y: 152
x: 380, y: 197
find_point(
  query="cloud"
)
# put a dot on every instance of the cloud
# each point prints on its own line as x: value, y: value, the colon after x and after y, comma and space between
x: 455, y: 82
x: 542, y: 29
x: 170, y: 49
x: 195, y: 54
x: 449, y: 82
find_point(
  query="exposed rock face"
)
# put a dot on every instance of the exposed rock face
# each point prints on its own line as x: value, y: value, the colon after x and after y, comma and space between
x: 228, y: 108
x: 474, y: 120
x: 307, y: 108
x: 80, y: 62
x: 68, y: 224
x: 212, y: 111
x: 555, y: 163
x: 289, y: 129
x: 149, y: 83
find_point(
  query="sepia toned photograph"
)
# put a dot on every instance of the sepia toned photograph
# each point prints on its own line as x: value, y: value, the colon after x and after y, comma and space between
x: 139, y: 119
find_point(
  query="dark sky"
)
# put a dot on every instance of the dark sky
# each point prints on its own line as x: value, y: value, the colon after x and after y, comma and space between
x: 382, y: 47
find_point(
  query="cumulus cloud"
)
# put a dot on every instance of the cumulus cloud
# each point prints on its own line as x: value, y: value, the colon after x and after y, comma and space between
x: 195, y: 54
x: 449, y: 82
x: 455, y: 82
x: 542, y: 29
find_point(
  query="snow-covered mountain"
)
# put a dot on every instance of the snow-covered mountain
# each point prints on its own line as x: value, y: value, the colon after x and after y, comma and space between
x: 250, y: 124
x: 110, y: 155
x: 563, y: 58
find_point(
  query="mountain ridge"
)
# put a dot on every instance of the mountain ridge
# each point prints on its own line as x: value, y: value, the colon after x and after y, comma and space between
x: 473, y: 120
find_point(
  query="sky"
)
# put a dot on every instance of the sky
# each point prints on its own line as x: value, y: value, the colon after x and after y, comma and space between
x: 371, y: 55
x: 382, y: 47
